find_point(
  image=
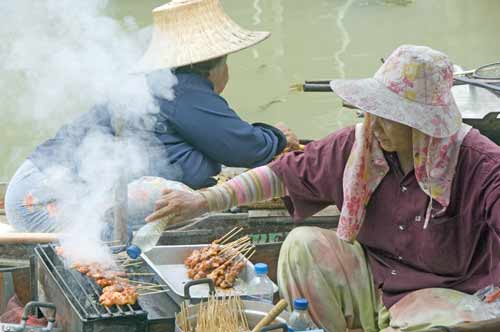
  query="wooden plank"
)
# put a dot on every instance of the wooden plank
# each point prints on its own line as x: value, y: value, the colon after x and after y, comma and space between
x: 28, y: 238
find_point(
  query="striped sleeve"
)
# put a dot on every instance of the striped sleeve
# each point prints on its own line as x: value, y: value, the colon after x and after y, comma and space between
x: 255, y: 185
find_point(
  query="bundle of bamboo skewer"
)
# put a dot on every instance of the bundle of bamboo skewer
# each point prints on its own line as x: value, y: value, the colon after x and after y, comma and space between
x: 215, y: 315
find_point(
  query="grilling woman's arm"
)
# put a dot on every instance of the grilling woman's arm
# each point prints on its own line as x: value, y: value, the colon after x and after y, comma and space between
x: 256, y: 185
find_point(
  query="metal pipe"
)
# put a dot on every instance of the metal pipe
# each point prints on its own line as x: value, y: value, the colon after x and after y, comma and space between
x: 477, y: 83
x: 327, y: 82
x: 310, y: 87
x: 324, y: 85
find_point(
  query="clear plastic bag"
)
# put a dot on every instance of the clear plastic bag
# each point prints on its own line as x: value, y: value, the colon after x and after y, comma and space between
x: 485, y: 303
x: 148, y: 189
x: 142, y: 195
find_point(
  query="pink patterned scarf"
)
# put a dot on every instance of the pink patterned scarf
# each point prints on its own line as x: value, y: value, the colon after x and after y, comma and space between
x: 435, y: 161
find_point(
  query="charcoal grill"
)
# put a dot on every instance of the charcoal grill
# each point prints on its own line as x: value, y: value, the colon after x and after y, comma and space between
x: 77, y: 300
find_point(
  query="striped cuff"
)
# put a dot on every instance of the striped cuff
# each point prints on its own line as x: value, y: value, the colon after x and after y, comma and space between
x: 259, y: 184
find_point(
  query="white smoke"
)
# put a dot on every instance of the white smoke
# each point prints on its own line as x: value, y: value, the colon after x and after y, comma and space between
x: 66, y: 55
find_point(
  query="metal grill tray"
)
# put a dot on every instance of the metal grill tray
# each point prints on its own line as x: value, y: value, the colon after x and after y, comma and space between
x: 168, y: 263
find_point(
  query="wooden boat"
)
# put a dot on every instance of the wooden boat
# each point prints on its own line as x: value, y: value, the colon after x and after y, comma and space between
x: 268, y: 228
x: 267, y: 224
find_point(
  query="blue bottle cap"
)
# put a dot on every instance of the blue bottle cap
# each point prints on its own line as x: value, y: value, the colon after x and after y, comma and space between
x: 261, y: 268
x: 300, y: 304
x: 133, y: 251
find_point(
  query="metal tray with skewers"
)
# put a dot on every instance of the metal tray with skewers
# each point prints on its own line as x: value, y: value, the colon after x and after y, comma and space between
x: 169, y: 263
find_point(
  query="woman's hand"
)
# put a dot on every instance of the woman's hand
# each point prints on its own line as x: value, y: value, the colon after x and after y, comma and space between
x: 292, y: 142
x: 179, y: 205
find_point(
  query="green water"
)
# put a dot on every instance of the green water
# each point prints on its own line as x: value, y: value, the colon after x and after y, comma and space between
x: 313, y: 39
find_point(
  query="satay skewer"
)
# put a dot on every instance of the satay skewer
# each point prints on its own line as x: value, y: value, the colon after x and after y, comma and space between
x: 148, y: 287
x: 228, y: 235
x: 117, y: 246
x: 241, y: 239
x: 241, y: 249
x: 121, y: 254
x: 234, y: 244
x: 223, y: 237
x: 152, y: 293
x: 138, y: 281
x: 131, y: 264
x: 112, y: 241
x: 250, y: 255
x: 232, y: 236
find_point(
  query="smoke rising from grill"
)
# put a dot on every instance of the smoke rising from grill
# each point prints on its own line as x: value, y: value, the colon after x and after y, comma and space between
x: 69, y: 55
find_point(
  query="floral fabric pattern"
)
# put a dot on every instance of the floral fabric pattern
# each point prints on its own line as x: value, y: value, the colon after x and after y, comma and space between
x: 412, y: 87
x: 435, y: 161
x: 337, y: 280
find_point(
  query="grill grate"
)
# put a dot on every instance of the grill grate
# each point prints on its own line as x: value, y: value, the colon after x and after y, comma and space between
x: 83, y: 292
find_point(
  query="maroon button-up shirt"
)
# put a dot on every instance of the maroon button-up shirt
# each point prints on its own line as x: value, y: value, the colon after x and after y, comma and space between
x: 459, y: 249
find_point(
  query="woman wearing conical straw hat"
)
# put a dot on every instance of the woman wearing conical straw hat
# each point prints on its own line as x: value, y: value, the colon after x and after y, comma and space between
x: 197, y: 130
x: 195, y: 37
x: 419, y: 194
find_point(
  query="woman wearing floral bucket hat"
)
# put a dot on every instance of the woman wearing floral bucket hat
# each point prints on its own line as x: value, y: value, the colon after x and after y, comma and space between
x: 419, y: 197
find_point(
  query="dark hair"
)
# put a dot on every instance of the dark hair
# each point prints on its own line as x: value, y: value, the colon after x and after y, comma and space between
x: 201, y: 68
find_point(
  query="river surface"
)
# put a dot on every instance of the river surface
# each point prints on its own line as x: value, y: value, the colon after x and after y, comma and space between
x: 313, y: 39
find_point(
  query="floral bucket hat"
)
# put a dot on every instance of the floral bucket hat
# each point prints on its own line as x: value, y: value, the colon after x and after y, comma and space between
x: 412, y: 87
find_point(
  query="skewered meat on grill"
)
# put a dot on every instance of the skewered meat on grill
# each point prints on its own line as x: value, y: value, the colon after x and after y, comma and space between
x: 118, y: 294
x: 104, y: 278
x: 115, y: 290
x: 105, y: 282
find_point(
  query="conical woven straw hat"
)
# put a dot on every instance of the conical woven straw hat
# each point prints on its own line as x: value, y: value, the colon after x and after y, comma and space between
x: 191, y: 31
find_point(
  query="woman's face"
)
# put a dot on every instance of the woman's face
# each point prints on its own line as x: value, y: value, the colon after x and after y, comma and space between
x: 392, y: 136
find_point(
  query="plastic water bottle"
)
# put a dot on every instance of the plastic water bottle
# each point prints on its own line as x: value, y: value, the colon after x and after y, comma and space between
x: 146, y: 238
x: 148, y: 235
x: 261, y: 288
x: 299, y: 319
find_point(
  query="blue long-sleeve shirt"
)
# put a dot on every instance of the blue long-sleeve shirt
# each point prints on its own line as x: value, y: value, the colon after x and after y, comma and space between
x: 195, y: 133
